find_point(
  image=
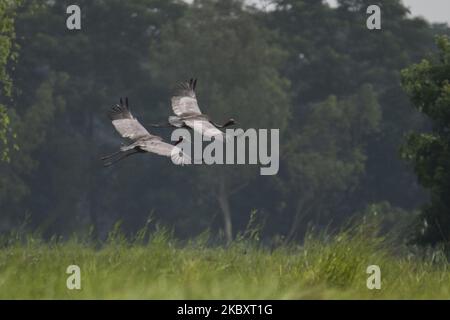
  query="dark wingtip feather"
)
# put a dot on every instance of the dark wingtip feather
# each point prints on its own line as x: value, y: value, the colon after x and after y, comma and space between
x: 120, y: 111
x: 185, y: 88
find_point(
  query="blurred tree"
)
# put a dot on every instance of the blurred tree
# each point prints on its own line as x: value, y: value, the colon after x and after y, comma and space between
x: 299, y: 67
x: 222, y: 45
x: 68, y: 81
x: 32, y: 132
x: 331, y: 52
x: 428, y: 85
x: 326, y: 160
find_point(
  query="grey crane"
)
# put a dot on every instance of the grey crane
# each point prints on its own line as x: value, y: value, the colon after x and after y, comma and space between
x: 188, y: 114
x: 141, y: 140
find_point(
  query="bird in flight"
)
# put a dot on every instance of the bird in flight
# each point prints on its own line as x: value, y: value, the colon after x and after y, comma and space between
x: 141, y: 140
x: 188, y: 114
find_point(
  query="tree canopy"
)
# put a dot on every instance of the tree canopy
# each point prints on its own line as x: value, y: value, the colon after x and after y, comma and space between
x: 428, y: 85
x: 330, y: 85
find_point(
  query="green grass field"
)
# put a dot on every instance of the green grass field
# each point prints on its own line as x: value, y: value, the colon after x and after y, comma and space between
x: 331, y: 267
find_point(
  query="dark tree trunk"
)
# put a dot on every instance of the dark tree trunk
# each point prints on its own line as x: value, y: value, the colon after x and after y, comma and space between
x: 224, y: 205
x: 301, y: 213
x: 91, y: 180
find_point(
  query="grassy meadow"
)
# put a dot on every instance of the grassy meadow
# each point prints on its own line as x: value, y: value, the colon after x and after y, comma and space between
x: 160, y: 267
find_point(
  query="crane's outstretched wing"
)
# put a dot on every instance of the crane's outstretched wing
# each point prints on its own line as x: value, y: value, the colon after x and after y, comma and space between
x: 166, y: 149
x: 205, y: 128
x: 124, y: 122
x: 184, y: 101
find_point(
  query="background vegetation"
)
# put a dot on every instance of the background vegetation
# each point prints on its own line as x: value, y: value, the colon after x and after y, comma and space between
x: 359, y: 137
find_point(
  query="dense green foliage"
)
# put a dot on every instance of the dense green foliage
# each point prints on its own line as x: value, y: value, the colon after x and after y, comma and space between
x: 331, y: 86
x: 428, y: 84
x: 7, y: 55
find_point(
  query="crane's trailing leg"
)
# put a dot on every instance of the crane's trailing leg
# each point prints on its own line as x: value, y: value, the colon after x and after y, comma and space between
x: 111, y: 155
x: 125, y: 155
x: 123, y: 148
